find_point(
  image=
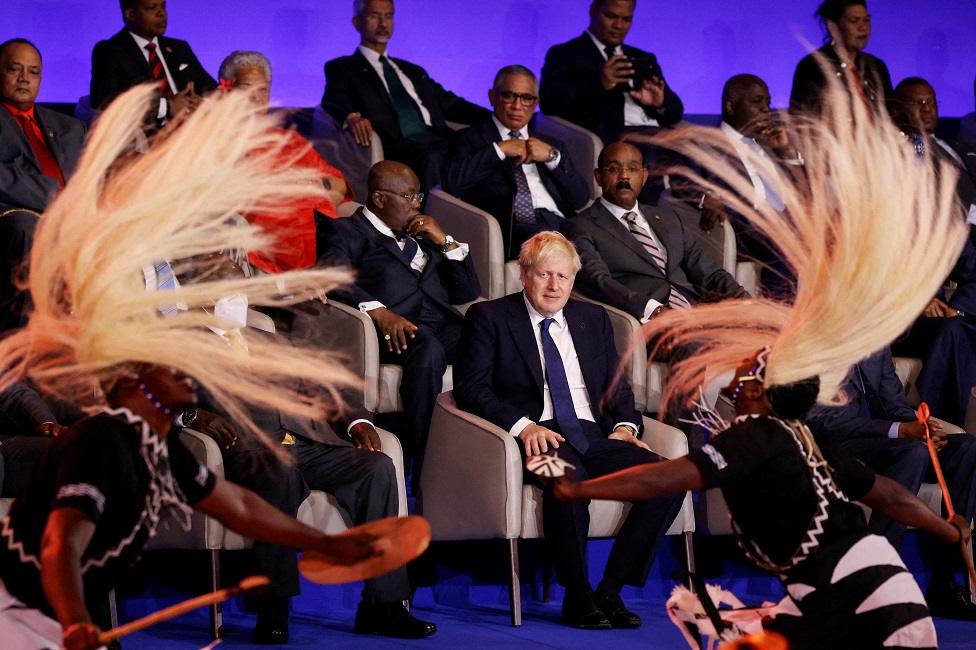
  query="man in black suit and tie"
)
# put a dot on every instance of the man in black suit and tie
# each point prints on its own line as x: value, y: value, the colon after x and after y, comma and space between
x: 39, y: 149
x: 140, y: 53
x: 615, y: 90
x: 370, y: 91
x: 542, y: 367
x: 409, y: 276
x: 879, y: 427
x: 641, y: 258
x: 499, y: 166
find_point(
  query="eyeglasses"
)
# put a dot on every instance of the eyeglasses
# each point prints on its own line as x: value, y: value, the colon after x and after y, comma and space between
x: 411, y: 197
x: 509, y: 97
x: 616, y: 168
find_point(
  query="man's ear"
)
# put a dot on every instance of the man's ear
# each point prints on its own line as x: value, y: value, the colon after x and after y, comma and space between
x: 129, y: 16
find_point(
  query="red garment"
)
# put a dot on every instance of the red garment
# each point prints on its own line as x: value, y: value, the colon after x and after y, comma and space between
x: 45, y: 157
x: 294, y: 228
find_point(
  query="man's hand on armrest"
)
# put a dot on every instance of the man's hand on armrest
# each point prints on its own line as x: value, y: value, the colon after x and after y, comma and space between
x: 393, y: 328
x: 362, y: 129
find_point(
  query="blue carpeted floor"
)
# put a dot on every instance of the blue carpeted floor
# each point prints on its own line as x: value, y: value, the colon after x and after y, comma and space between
x: 462, y: 590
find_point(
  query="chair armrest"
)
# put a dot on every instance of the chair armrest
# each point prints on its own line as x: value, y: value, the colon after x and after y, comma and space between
x: 583, y: 146
x: 352, y: 331
x: 471, y: 483
x: 480, y: 231
x: 393, y: 449
x: 664, y: 440
x: 205, y: 449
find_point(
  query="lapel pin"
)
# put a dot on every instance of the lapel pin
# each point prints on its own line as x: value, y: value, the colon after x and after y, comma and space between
x: 657, y: 216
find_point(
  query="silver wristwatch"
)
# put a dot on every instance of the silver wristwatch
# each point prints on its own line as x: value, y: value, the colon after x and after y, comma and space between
x: 448, y: 242
x: 553, y: 155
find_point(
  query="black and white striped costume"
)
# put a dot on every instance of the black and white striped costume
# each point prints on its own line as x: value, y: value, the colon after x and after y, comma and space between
x: 791, y: 514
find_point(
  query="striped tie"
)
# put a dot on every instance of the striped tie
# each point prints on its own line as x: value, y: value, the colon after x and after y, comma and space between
x: 156, y: 67
x: 522, y: 206
x: 165, y: 281
x: 675, y: 299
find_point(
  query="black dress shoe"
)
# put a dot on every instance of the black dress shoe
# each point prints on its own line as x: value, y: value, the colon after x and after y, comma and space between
x: 613, y: 607
x: 391, y: 619
x: 272, y: 625
x: 949, y: 600
x: 580, y: 610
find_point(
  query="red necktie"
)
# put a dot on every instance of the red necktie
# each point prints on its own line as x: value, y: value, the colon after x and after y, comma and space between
x: 45, y: 158
x: 156, y: 68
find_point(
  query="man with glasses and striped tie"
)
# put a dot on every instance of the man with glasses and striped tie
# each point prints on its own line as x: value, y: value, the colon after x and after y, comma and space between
x: 641, y: 258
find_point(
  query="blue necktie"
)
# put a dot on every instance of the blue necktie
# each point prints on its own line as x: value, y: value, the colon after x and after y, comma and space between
x: 562, y: 399
x: 165, y: 281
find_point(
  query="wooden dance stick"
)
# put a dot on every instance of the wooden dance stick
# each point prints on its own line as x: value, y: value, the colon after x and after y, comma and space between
x: 923, y: 419
x: 219, y: 596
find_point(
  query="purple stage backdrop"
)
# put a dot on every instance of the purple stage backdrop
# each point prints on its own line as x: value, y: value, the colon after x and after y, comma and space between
x: 463, y: 42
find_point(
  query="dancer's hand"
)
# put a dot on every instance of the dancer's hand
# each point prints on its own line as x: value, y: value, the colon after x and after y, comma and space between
x: 81, y: 636
x: 350, y: 549
x: 960, y: 524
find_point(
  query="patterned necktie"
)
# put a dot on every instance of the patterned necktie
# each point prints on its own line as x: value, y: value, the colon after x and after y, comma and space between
x: 522, y: 207
x: 408, y: 113
x: 156, y: 71
x: 562, y: 398
x: 774, y: 200
x: 610, y: 51
x: 675, y: 299
x: 45, y: 157
x: 918, y: 141
x: 409, y: 250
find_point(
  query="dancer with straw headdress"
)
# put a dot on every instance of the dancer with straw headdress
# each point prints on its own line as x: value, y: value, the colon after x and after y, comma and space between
x: 867, y: 204
x: 97, y: 338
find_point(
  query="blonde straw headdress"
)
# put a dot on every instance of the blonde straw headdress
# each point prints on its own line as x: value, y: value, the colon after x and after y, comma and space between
x: 870, y: 231
x: 93, y: 319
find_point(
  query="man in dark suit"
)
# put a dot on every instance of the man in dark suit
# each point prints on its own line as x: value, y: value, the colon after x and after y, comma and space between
x: 499, y: 166
x: 341, y: 457
x: 39, y: 149
x: 139, y: 54
x: 615, y: 90
x: 409, y: 276
x: 369, y: 92
x: 944, y: 336
x: 879, y: 427
x: 640, y: 258
x: 542, y: 367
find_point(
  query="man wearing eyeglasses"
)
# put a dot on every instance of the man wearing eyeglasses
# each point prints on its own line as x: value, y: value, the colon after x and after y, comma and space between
x: 641, y: 258
x: 499, y: 166
x: 409, y: 276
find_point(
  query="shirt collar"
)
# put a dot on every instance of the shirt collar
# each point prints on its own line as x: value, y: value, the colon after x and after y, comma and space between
x: 142, y: 42
x: 734, y: 134
x: 16, y: 112
x: 377, y: 223
x: 504, y: 130
x: 372, y: 55
x: 601, y: 46
x: 535, y: 317
x: 617, y: 211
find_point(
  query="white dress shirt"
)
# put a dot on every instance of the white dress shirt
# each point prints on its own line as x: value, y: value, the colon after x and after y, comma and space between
x: 540, y: 195
x: 634, y: 114
x: 738, y: 141
x: 141, y: 42
x: 561, y: 336
x: 618, y: 214
x: 419, y: 261
x: 374, y: 60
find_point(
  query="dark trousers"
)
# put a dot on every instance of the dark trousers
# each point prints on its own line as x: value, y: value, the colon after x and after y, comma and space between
x: 18, y: 456
x: 364, y: 484
x: 947, y: 347
x: 566, y: 525
x: 902, y: 460
x: 16, y: 239
x: 424, y: 362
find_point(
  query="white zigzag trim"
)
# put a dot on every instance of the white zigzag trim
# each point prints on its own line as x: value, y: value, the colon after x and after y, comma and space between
x: 13, y: 545
x: 83, y: 490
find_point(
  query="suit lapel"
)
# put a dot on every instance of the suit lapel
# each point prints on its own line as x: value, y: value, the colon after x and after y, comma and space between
x: 585, y: 352
x: 51, y: 136
x: 379, y: 239
x: 11, y: 125
x: 520, y: 326
x: 136, y: 57
x: 608, y: 222
x: 368, y: 73
x: 664, y: 234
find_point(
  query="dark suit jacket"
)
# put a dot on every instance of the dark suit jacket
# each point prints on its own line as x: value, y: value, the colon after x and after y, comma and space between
x: 475, y: 174
x: 22, y: 185
x: 809, y: 82
x: 118, y: 64
x: 871, y: 387
x: 384, y: 274
x: 619, y: 271
x: 498, y: 372
x: 570, y: 88
x: 353, y: 86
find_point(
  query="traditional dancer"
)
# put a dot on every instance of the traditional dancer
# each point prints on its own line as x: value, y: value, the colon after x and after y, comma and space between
x: 870, y: 212
x: 97, y: 338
